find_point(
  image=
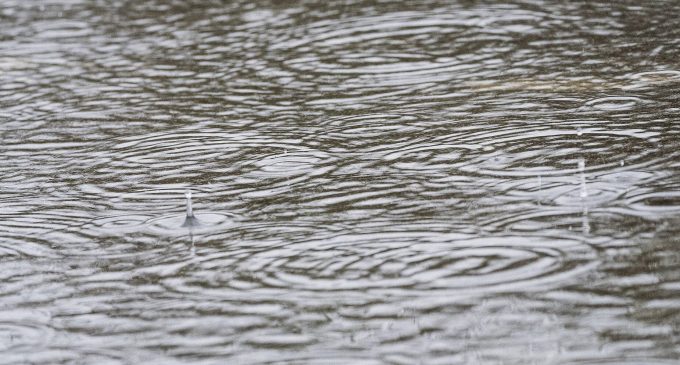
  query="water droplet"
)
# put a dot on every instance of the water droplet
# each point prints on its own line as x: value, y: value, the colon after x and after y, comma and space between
x: 579, y: 131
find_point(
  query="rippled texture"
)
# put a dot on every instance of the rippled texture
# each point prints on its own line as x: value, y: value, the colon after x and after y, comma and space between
x: 377, y: 182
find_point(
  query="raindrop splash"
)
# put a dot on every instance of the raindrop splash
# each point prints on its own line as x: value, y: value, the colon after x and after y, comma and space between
x: 581, y: 169
x: 190, y: 220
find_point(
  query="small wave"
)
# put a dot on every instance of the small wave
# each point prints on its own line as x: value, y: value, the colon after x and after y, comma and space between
x: 356, y: 62
x: 652, y: 79
x: 517, y: 152
x: 359, y: 262
x: 287, y: 164
x: 614, y: 103
x: 208, y: 222
x: 658, y: 203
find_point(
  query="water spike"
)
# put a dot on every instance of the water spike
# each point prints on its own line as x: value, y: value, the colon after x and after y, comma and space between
x: 190, y: 211
x: 190, y: 220
x: 581, y: 169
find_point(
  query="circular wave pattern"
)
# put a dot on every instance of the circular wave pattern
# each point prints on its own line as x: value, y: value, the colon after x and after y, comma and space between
x: 207, y: 222
x: 365, y: 133
x: 366, y: 58
x: 287, y: 164
x: 169, y: 149
x: 164, y: 224
x: 360, y: 263
x: 517, y: 152
x: 145, y: 211
x: 379, y: 182
x: 373, y: 35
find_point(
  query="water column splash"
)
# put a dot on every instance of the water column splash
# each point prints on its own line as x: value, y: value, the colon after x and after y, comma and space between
x: 190, y: 220
x: 581, y: 169
x: 190, y: 211
x: 585, y: 222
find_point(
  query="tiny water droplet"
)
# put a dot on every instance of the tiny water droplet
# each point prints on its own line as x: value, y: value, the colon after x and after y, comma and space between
x: 579, y: 131
x: 622, y: 163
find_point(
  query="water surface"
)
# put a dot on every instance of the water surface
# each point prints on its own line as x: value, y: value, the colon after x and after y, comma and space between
x: 378, y: 182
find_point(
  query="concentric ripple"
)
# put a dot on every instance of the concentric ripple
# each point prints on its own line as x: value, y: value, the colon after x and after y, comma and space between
x: 363, y: 262
x: 169, y: 149
x: 364, y: 58
x: 518, y: 152
x: 287, y: 164
x: 207, y: 222
x: 364, y: 133
x: 131, y: 217
x: 377, y: 182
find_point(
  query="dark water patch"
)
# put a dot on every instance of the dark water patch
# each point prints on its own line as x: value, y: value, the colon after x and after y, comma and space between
x: 656, y: 203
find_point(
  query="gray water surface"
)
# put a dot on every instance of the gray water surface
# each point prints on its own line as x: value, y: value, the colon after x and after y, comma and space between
x: 377, y: 182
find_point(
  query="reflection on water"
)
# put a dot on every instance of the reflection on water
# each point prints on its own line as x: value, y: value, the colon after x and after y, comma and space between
x: 377, y: 182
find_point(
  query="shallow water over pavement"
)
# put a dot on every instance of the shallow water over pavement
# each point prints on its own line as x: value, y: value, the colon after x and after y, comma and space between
x: 377, y: 182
